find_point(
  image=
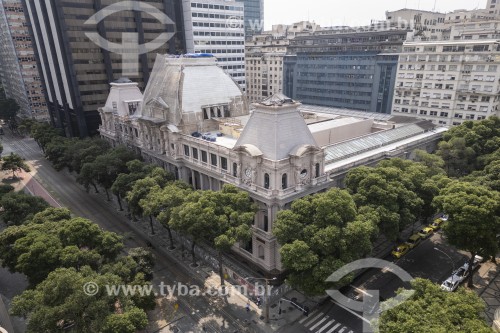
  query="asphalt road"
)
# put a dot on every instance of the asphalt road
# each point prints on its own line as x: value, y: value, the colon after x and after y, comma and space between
x: 422, y: 261
x: 64, y: 189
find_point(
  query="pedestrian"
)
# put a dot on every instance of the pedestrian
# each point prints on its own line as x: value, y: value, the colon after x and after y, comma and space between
x: 259, y: 302
x: 248, y: 306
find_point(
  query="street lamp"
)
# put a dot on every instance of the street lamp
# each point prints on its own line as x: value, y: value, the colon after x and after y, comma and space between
x: 446, y: 254
x: 266, y: 295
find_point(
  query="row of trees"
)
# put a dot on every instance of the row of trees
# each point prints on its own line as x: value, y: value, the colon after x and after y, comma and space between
x: 218, y: 219
x: 59, y: 254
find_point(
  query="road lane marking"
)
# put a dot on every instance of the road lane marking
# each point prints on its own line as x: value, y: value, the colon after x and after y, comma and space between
x: 318, y: 323
x: 333, y: 328
x: 305, y: 318
x: 325, y: 326
x: 314, y: 319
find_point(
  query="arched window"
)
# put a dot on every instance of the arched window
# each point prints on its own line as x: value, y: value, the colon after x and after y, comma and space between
x: 266, y: 181
x: 284, y: 181
x: 235, y: 170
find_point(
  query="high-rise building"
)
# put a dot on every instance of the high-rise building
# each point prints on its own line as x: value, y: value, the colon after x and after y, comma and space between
x: 254, y: 16
x: 264, y: 57
x: 77, y: 71
x: 19, y: 69
x: 216, y: 27
x: 353, y: 70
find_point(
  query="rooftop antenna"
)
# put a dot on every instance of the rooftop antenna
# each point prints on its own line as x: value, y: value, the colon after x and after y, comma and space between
x: 418, y: 5
x: 434, y: 9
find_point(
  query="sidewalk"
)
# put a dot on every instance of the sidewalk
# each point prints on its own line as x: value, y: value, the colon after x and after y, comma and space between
x: 487, y: 285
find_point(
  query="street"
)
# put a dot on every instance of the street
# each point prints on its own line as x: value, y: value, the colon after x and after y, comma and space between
x: 63, y: 188
x: 423, y: 261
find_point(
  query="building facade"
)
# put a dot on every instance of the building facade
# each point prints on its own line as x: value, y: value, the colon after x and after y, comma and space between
x: 264, y: 57
x: 355, y: 70
x: 449, y: 82
x: 254, y: 16
x: 19, y: 69
x: 77, y: 71
x: 216, y: 27
x: 194, y: 121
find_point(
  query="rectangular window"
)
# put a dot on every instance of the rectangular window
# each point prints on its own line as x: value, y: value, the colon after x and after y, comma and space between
x: 195, y: 153
x: 213, y: 159
x: 223, y: 163
x: 204, y: 156
x: 186, y: 150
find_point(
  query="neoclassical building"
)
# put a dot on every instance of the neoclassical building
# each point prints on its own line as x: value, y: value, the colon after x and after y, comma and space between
x: 194, y: 121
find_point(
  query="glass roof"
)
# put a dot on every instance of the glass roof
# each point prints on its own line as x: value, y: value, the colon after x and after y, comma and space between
x: 360, y: 145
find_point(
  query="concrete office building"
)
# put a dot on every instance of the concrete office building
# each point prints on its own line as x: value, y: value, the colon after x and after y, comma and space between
x: 216, y: 27
x: 345, y: 70
x: 449, y: 82
x: 493, y: 6
x: 76, y: 71
x: 280, y: 152
x: 264, y: 56
x: 254, y: 16
x: 19, y: 70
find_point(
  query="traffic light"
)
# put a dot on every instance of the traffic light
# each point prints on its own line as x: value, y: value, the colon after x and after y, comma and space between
x: 306, y: 311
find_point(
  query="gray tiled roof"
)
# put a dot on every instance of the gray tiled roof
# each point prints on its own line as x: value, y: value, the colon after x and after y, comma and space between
x: 277, y: 129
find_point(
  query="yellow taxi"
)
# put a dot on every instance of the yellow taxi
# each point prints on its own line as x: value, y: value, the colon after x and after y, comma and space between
x: 437, y: 224
x: 426, y: 232
x: 414, y: 240
x: 400, y: 250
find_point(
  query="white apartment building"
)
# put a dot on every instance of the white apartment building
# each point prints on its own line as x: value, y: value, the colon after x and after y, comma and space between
x: 493, y: 6
x: 449, y: 82
x: 264, y: 58
x: 217, y: 27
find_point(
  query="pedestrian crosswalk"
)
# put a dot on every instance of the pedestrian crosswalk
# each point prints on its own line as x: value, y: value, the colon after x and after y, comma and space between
x: 319, y: 322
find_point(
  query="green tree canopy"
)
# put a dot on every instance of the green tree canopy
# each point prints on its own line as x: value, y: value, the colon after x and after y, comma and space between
x: 35, y: 249
x: 474, y: 220
x: 8, y: 109
x: 432, y: 310
x: 19, y: 207
x: 60, y: 300
x: 14, y: 162
x: 320, y: 234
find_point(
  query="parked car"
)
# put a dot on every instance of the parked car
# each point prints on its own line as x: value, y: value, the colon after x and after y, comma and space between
x: 461, y: 273
x: 414, y: 240
x: 450, y: 284
x: 426, y: 232
x: 400, y: 250
x: 437, y: 224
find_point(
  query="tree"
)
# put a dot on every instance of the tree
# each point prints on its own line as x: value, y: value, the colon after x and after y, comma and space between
x: 320, y: 234
x: 19, y: 207
x: 432, y: 310
x: 234, y: 212
x: 160, y: 202
x: 389, y: 192
x: 124, y: 181
x: 474, y: 219
x: 61, y: 300
x: 142, y: 187
x: 36, y: 249
x: 105, y: 168
x: 14, y: 162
